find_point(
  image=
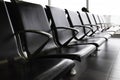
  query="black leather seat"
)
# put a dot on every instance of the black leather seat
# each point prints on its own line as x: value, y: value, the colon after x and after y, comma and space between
x: 59, y: 20
x: 8, y: 47
x: 103, y: 27
x: 13, y: 66
x: 75, y: 22
x: 86, y: 21
x: 100, y: 25
x: 37, y: 20
x: 64, y: 33
x: 108, y: 27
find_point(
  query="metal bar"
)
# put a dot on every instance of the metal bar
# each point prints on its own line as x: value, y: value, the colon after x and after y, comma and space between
x: 49, y: 2
x: 87, y: 4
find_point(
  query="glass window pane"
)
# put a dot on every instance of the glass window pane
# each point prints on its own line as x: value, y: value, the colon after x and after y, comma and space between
x: 42, y: 2
x: 7, y: 0
x: 104, y: 6
x: 69, y: 4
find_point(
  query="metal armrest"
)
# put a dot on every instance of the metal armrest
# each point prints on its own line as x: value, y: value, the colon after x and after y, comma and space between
x: 76, y: 31
x: 73, y: 29
x: 92, y: 25
x: 78, y: 26
x: 28, y: 55
x: 85, y: 26
x: 90, y: 29
x: 35, y: 31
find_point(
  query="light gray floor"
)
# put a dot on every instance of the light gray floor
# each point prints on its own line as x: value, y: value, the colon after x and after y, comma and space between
x: 104, y: 66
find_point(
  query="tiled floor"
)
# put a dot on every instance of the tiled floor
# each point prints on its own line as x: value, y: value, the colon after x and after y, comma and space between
x: 105, y: 66
x: 115, y: 70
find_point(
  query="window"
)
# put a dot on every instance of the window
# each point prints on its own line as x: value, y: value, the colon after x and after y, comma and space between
x: 7, y: 0
x: 69, y: 4
x: 108, y: 7
x: 42, y: 2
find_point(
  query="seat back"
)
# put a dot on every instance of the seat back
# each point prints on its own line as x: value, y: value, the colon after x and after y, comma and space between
x: 84, y: 18
x: 58, y: 18
x: 75, y: 22
x: 9, y: 50
x: 96, y: 19
x: 28, y: 16
x: 103, y: 20
x: 8, y: 44
x: 98, y: 22
x: 91, y: 18
x: 85, y: 22
x: 92, y: 21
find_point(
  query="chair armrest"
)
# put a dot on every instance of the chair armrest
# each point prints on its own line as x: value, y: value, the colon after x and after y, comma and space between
x: 35, y: 31
x: 78, y: 26
x: 91, y: 25
x: 72, y: 29
x: 19, y: 44
x: 90, y: 29
x: 85, y: 26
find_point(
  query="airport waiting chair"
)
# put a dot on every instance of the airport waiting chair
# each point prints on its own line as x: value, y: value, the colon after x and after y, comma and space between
x: 36, y: 17
x: 9, y: 53
x: 102, y: 26
x: 30, y: 41
x: 39, y: 22
x: 61, y: 28
x: 86, y: 21
x: 103, y: 21
x: 13, y: 65
x: 75, y: 22
x: 97, y: 21
x: 107, y: 26
x: 109, y: 29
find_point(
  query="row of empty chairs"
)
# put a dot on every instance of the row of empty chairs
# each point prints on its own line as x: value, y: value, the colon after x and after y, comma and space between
x: 40, y: 43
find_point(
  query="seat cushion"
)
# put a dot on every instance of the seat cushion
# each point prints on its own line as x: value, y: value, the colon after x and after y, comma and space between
x: 103, y: 35
x: 98, y: 41
x: 50, y: 68
x: 73, y: 49
x: 42, y: 69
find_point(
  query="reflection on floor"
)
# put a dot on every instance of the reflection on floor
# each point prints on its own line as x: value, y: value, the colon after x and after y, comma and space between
x: 105, y: 66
